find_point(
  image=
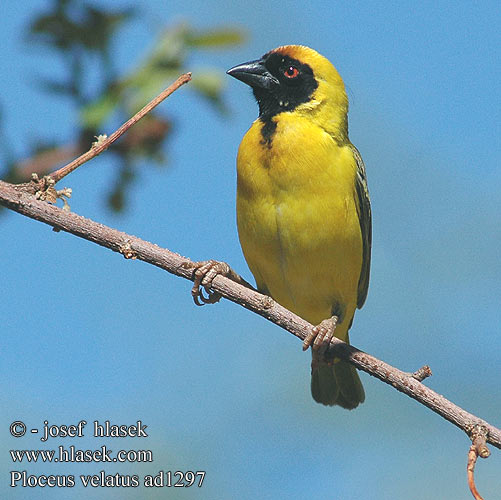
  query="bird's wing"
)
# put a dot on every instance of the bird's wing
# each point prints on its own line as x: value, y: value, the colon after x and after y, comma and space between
x: 365, y: 219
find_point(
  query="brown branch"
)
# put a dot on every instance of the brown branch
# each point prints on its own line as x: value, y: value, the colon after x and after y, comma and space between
x: 42, y: 162
x: 472, y: 459
x: 478, y: 448
x: 103, y: 142
x: 135, y: 248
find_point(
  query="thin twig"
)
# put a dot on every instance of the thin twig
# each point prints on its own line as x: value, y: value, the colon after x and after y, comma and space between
x: 41, y: 184
x: 472, y: 459
x: 478, y: 448
x: 104, y: 144
x: 135, y: 248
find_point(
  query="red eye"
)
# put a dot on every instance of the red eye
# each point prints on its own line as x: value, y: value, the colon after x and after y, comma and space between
x: 291, y: 72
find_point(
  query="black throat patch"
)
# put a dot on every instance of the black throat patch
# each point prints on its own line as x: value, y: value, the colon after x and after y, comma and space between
x: 287, y: 95
x: 268, y: 130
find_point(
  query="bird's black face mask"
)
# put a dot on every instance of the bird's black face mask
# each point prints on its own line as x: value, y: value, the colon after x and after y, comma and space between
x: 279, y: 82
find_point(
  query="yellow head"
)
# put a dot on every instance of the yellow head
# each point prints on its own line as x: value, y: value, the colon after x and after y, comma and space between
x: 297, y: 79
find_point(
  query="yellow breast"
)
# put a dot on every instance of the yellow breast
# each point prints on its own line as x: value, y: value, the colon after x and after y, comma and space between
x: 297, y: 217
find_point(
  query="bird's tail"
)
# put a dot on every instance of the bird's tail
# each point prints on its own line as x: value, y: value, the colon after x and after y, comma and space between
x: 336, y: 384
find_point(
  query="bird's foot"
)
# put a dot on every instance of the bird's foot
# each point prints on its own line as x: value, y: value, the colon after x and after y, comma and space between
x: 204, y: 273
x: 320, y: 337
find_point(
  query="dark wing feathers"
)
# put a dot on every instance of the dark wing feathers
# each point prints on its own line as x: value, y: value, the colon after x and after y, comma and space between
x: 365, y: 218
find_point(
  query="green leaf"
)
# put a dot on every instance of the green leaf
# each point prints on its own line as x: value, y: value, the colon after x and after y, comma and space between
x: 94, y: 114
x: 210, y: 84
x: 222, y: 37
x: 146, y: 89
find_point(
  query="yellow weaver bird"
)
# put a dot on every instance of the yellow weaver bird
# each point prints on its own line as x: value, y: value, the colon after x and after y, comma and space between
x: 303, y: 209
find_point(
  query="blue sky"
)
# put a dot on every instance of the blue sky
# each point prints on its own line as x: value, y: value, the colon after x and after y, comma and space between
x: 89, y: 335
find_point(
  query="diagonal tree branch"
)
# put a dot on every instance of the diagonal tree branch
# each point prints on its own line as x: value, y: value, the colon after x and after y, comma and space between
x: 135, y: 248
x: 103, y: 142
x: 102, y: 145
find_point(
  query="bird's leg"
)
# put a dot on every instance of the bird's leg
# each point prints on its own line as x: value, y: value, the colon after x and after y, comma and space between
x: 320, y: 338
x: 204, y: 273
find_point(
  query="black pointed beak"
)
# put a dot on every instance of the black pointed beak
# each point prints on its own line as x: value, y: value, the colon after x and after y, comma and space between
x: 255, y: 74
